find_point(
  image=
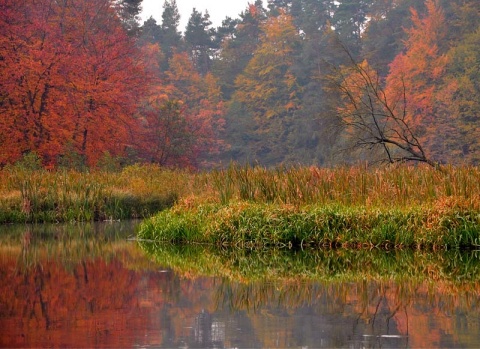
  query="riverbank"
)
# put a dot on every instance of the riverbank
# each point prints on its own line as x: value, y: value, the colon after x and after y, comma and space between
x: 355, y: 207
x: 40, y: 196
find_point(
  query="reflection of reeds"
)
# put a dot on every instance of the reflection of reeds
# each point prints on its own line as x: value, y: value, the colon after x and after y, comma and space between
x: 319, y: 265
x: 70, y: 244
x: 255, y: 277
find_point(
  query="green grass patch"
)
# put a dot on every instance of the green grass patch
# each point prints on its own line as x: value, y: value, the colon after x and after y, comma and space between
x: 246, y: 224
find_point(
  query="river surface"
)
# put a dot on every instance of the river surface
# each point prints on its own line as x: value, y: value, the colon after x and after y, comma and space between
x: 91, y: 286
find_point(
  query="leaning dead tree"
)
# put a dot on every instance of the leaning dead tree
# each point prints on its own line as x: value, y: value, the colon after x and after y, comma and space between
x: 375, y: 119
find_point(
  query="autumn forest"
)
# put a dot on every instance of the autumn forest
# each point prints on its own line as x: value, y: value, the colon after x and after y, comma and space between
x: 311, y: 82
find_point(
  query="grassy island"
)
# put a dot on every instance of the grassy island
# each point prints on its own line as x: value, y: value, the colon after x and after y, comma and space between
x: 355, y: 207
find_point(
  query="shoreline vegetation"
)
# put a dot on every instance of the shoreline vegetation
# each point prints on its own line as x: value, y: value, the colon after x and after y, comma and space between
x: 351, y: 207
x: 401, y: 206
x: 41, y: 196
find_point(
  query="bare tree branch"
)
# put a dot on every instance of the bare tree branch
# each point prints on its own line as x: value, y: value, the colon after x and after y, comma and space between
x: 376, y: 120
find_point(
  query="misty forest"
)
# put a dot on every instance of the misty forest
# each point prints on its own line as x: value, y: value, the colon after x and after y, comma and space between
x: 308, y: 82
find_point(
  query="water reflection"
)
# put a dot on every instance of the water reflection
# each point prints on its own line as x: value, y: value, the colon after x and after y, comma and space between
x: 88, y: 286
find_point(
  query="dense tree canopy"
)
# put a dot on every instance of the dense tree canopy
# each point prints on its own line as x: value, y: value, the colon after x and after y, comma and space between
x: 70, y: 79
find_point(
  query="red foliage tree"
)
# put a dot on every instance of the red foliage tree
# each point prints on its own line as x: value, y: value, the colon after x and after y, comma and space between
x: 29, y: 68
x: 71, y: 78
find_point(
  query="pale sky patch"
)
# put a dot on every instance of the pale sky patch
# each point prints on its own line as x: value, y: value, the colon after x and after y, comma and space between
x: 218, y: 10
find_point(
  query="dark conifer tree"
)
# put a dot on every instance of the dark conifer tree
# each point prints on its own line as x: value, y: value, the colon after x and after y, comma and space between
x: 349, y: 20
x: 199, y: 40
x: 170, y: 37
x: 237, y: 49
x: 129, y: 11
x: 150, y: 32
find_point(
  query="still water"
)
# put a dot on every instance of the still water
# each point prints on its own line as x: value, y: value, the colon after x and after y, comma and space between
x: 92, y: 286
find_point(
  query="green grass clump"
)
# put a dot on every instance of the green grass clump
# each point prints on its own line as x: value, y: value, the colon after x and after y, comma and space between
x: 245, y: 224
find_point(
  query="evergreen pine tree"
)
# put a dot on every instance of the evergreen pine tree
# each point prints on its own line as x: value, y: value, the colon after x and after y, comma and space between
x: 170, y: 37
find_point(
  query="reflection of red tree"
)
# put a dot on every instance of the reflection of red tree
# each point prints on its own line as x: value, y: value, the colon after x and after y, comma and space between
x: 105, y: 304
x: 92, y: 304
x: 85, y: 307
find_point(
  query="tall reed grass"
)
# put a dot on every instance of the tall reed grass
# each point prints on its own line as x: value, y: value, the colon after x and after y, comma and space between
x: 55, y: 196
x: 394, y: 186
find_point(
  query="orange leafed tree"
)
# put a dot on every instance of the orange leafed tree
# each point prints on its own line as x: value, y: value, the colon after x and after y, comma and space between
x: 71, y: 79
x: 269, y: 91
x: 398, y: 117
x: 183, y: 117
x: 373, y: 119
x: 417, y: 72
